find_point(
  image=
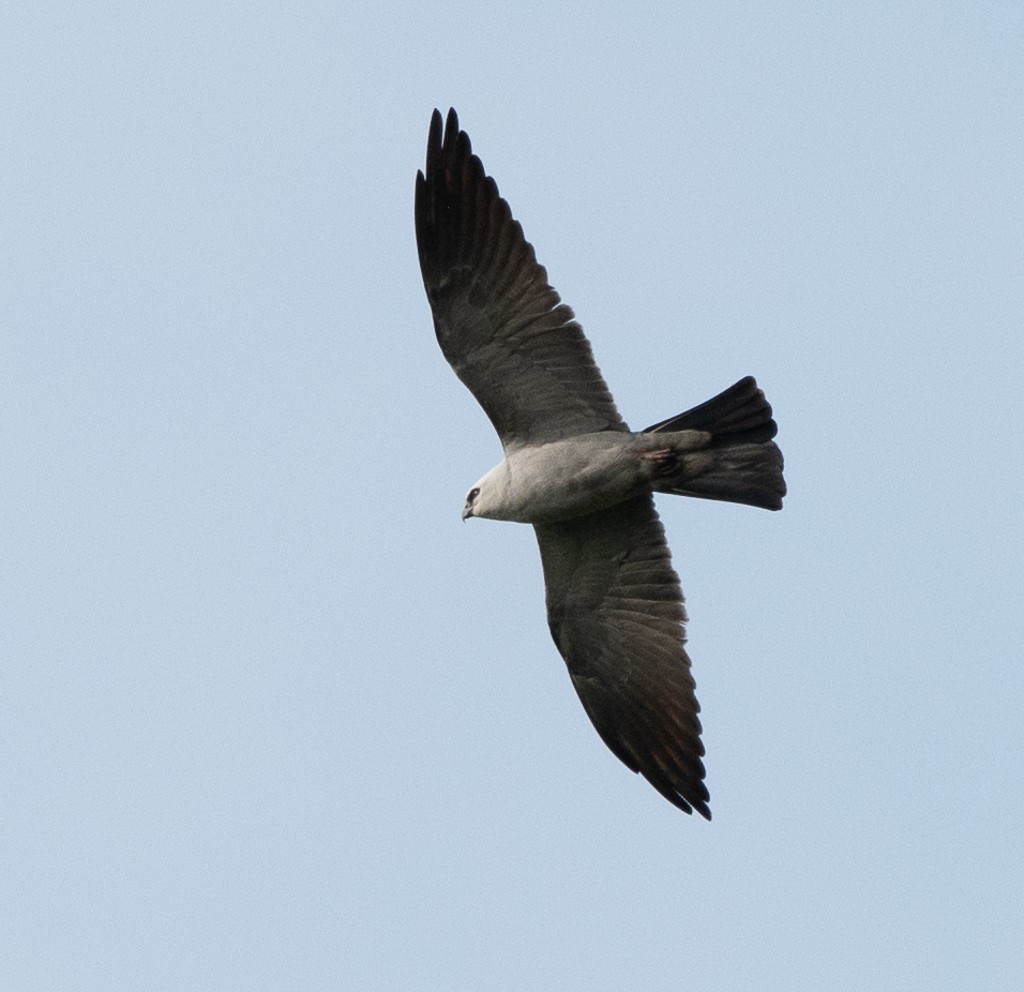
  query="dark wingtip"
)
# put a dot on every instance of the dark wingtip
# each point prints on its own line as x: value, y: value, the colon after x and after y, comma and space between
x: 434, y: 141
x: 452, y: 124
x: 688, y: 803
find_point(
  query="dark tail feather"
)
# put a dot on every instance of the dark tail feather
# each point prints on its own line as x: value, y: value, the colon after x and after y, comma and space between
x: 740, y: 409
x: 739, y: 462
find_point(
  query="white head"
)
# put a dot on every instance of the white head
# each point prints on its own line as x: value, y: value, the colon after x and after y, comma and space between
x: 487, y: 497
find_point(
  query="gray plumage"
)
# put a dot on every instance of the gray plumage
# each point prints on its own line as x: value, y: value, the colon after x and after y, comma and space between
x: 574, y: 470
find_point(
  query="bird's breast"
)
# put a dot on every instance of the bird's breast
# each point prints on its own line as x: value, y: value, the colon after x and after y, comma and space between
x: 571, y: 478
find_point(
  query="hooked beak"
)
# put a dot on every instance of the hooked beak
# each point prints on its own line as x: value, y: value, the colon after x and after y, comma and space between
x: 467, y: 513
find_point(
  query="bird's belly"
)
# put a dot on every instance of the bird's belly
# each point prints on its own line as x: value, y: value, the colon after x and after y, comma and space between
x: 571, y: 478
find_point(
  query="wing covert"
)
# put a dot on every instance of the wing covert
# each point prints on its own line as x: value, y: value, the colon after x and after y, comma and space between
x: 615, y: 609
x: 500, y: 325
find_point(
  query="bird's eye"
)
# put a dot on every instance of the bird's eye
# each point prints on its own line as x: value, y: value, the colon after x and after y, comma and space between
x: 473, y: 493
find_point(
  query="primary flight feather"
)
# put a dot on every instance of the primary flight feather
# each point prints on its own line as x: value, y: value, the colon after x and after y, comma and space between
x: 574, y: 470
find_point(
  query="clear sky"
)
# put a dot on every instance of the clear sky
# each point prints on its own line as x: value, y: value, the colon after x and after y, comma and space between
x: 273, y: 717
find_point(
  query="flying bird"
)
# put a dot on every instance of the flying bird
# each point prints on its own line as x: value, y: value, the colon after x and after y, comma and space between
x: 574, y: 470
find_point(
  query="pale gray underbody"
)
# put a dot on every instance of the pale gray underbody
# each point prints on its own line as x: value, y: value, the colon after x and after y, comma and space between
x: 564, y: 479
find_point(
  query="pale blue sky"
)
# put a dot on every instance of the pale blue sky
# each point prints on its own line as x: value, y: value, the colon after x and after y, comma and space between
x: 273, y: 718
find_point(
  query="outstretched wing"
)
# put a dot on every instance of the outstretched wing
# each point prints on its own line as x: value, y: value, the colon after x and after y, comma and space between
x: 501, y: 326
x: 616, y: 613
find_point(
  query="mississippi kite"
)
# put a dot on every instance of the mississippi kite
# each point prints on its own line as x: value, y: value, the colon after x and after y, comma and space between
x: 574, y: 470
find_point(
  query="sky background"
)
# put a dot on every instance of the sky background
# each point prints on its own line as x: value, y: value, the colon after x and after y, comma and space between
x: 273, y: 718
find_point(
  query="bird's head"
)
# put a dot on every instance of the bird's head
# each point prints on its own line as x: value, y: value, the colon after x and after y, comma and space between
x: 469, y: 510
x: 487, y: 498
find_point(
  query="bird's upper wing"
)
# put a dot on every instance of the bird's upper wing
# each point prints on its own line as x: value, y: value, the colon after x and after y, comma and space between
x: 616, y: 613
x: 501, y: 326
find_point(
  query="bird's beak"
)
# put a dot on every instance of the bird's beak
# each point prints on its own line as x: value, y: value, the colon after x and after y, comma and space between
x: 467, y: 513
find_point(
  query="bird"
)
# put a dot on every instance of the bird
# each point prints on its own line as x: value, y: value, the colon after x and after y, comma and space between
x: 573, y: 470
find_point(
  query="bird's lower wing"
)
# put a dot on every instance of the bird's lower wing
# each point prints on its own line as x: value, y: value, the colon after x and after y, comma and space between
x: 615, y: 609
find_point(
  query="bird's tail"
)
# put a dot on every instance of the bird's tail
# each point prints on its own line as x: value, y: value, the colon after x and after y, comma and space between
x: 736, y: 461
